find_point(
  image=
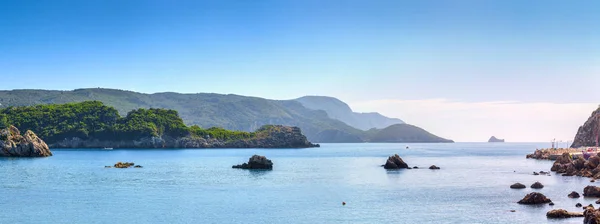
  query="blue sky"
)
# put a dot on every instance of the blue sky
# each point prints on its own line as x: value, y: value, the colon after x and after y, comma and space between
x: 359, y: 51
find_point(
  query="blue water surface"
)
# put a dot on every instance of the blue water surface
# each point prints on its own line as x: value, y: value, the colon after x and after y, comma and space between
x: 305, y: 186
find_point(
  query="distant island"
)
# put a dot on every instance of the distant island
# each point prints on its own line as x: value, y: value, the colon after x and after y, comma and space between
x: 322, y: 119
x: 494, y: 139
x: 91, y: 124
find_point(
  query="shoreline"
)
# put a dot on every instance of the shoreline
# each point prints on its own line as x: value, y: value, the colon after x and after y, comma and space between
x: 554, y: 153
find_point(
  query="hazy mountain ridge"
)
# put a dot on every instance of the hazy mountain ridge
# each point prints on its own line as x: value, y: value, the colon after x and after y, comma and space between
x: 339, y: 110
x: 233, y: 112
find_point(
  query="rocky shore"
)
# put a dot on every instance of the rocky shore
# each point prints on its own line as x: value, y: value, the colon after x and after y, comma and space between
x: 550, y: 154
x: 567, y: 166
x: 13, y: 144
x: 277, y: 136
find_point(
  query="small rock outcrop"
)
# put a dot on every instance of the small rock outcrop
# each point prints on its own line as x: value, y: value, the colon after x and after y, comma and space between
x: 395, y: 162
x: 518, y: 186
x: 591, y: 216
x: 124, y: 165
x: 587, y: 134
x: 494, y: 139
x: 434, y: 167
x: 256, y: 162
x: 534, y: 198
x: 578, y: 205
x: 13, y: 144
x: 591, y: 191
x: 537, y: 185
x: 561, y: 213
x: 573, y: 195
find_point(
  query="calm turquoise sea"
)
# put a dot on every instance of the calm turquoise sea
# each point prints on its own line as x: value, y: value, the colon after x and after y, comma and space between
x: 305, y: 186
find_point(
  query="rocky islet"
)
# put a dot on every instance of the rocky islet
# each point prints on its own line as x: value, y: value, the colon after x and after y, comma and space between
x: 13, y: 144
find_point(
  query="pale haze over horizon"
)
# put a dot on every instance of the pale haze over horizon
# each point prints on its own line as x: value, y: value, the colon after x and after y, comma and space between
x: 464, y: 70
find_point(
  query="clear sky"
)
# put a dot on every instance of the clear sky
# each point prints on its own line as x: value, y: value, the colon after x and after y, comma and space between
x: 395, y: 57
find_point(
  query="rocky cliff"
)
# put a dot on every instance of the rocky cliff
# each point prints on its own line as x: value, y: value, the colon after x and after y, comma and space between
x: 589, y: 133
x: 13, y: 144
x: 274, y: 136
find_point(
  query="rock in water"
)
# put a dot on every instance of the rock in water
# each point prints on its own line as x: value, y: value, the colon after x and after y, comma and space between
x: 537, y: 185
x: 534, y: 198
x: 256, y: 162
x: 434, y: 167
x: 562, y: 163
x: 578, y: 205
x: 123, y: 165
x: 574, y: 195
x: 591, y: 216
x: 13, y: 144
x: 591, y: 191
x: 494, y: 139
x: 561, y: 213
x: 587, y: 133
x: 395, y: 162
x: 518, y: 186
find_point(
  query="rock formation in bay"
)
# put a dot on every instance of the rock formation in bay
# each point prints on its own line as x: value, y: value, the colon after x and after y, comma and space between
x: 395, y: 162
x: 573, y: 195
x: 591, y: 191
x: 534, y: 198
x: 256, y: 162
x: 537, y: 185
x: 518, y: 186
x: 561, y: 213
x: 589, y: 133
x: 13, y: 144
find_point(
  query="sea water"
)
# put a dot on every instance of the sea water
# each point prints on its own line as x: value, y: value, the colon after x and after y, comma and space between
x: 305, y: 186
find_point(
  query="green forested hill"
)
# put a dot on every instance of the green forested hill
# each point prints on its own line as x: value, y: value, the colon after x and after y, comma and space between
x: 206, y: 110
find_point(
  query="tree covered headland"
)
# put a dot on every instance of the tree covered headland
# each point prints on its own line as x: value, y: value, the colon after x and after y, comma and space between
x: 94, y: 120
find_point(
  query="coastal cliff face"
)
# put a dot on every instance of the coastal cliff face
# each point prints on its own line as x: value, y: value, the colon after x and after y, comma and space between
x: 275, y: 136
x: 587, y: 135
x: 13, y: 144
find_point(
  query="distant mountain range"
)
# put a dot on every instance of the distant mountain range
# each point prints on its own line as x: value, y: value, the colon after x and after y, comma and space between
x: 322, y: 119
x: 339, y: 110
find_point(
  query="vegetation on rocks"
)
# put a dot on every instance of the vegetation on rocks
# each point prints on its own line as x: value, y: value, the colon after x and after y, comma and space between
x: 322, y: 121
x: 93, y: 121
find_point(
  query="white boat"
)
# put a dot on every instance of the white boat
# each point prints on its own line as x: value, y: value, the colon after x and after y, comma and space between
x: 108, y: 148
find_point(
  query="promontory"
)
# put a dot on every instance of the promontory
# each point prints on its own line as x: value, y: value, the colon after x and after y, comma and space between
x: 91, y: 124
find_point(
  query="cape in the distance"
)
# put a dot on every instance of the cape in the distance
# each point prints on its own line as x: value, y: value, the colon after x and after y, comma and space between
x: 321, y: 119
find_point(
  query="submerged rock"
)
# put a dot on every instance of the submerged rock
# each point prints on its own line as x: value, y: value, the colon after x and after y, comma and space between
x: 561, y: 213
x: 256, y: 162
x: 534, y: 198
x: 518, y: 186
x: 537, y: 185
x: 13, y: 144
x: 395, y: 162
x: 574, y: 195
